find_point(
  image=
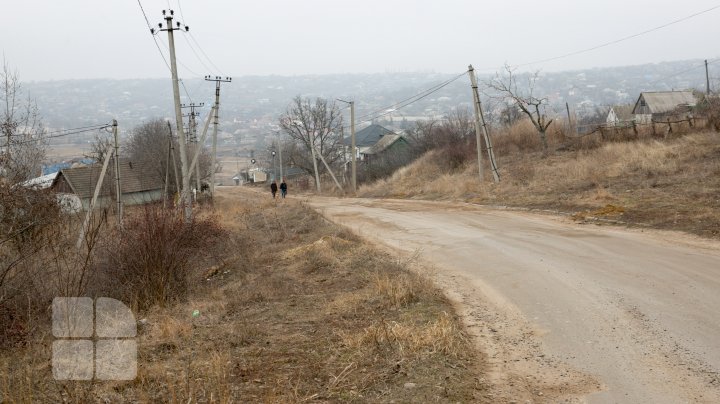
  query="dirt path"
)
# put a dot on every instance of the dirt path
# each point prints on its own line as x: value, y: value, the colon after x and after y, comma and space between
x: 570, y: 312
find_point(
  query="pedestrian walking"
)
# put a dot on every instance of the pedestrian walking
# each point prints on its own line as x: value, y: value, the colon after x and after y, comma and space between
x: 283, y: 189
x: 273, y: 188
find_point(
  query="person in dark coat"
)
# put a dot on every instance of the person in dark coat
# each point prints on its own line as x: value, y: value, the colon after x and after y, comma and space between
x: 273, y: 188
x: 283, y: 189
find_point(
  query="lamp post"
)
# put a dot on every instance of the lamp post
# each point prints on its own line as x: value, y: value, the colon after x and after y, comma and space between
x: 274, y: 166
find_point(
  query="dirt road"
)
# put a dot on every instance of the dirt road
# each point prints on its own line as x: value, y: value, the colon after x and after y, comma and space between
x: 566, y: 311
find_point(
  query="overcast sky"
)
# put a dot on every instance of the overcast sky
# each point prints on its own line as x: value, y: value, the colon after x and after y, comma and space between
x: 76, y: 39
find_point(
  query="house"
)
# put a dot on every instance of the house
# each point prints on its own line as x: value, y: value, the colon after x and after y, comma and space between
x: 620, y: 115
x: 656, y: 105
x: 389, y: 143
x: 139, y: 183
x: 366, y: 138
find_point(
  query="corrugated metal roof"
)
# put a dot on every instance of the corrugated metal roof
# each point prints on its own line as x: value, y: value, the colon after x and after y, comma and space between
x: 134, y: 177
x: 660, y: 102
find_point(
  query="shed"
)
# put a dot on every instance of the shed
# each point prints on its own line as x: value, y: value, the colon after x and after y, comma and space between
x: 140, y: 184
x: 388, y: 144
x: 620, y: 115
x: 652, y: 105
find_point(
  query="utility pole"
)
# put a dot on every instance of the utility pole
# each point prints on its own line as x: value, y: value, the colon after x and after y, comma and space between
x: 185, y: 192
x: 570, y: 125
x: 707, y: 79
x: 192, y: 136
x: 481, y: 124
x: 118, y: 189
x: 312, y: 151
x: 353, y: 164
x: 280, y: 154
x: 213, y: 156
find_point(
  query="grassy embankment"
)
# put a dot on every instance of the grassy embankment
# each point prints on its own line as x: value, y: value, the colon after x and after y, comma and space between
x: 667, y: 183
x: 297, y: 310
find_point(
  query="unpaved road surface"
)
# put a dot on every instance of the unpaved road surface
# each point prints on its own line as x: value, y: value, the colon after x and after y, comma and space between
x: 565, y: 312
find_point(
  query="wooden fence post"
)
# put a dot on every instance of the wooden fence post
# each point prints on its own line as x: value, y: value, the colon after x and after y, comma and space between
x: 635, y: 131
x: 669, y: 128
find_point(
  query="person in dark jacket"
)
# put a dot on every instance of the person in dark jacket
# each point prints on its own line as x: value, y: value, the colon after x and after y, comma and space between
x: 273, y: 188
x: 283, y: 189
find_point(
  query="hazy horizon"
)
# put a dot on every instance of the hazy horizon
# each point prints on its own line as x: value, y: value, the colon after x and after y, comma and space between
x: 85, y: 39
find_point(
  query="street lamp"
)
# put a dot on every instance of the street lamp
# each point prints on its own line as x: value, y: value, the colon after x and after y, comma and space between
x: 274, y: 167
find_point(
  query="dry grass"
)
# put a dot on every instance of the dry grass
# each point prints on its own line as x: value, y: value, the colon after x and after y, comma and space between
x: 666, y: 183
x: 297, y: 310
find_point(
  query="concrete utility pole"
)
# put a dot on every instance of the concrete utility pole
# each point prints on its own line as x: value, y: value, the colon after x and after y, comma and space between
x: 707, y: 79
x: 118, y: 189
x: 312, y: 151
x: 185, y: 196
x: 213, y: 156
x: 277, y: 132
x: 192, y: 136
x: 353, y: 164
x: 481, y: 124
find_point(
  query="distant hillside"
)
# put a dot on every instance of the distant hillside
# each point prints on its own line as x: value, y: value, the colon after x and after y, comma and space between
x: 251, y: 103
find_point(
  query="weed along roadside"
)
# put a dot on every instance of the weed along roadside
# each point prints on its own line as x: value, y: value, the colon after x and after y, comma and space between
x: 284, y: 308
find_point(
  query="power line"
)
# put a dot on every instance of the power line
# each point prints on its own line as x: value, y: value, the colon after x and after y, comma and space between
x: 62, y: 133
x: 406, y: 102
x: 198, y: 44
x: 162, y: 55
x: 621, y: 39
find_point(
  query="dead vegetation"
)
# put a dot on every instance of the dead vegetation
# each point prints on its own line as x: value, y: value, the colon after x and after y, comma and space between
x: 294, y: 309
x: 667, y: 181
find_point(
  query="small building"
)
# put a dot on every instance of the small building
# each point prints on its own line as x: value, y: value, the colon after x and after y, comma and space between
x: 366, y: 138
x: 657, y: 105
x: 620, y: 115
x: 139, y: 183
x: 388, y: 144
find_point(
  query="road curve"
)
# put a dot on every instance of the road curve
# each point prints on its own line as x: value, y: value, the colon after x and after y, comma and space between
x: 639, y: 311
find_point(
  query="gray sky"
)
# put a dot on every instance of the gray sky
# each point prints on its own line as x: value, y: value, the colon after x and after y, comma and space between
x: 76, y: 39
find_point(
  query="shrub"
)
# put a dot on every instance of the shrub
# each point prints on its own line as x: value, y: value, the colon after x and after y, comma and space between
x: 151, y: 258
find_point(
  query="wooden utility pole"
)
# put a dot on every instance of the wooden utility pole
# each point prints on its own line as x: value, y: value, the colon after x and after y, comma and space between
x: 707, y: 79
x: 185, y: 196
x: 118, y: 189
x: 353, y: 161
x: 480, y: 124
x: 213, y: 156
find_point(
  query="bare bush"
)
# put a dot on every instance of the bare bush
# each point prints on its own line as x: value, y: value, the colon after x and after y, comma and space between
x: 150, y: 260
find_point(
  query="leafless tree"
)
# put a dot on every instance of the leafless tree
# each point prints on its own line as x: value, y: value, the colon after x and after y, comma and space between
x: 319, y: 119
x: 21, y: 130
x: 148, y: 144
x: 505, y: 86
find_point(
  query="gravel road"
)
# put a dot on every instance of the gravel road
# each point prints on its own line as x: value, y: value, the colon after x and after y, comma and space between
x: 565, y: 312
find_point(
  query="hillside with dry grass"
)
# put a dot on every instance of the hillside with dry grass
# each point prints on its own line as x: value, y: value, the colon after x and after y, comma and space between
x: 287, y: 308
x: 652, y: 178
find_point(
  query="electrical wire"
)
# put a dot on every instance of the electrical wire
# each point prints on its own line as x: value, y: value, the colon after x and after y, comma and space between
x: 621, y: 39
x: 62, y: 133
x: 198, y: 44
x: 406, y: 102
x: 155, y: 39
x: 162, y: 55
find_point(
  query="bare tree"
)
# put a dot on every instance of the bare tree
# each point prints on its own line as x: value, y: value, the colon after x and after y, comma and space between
x: 534, y: 107
x: 318, y: 120
x: 148, y: 144
x: 21, y: 130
